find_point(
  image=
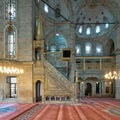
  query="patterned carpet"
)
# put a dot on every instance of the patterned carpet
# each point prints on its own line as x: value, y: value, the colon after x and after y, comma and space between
x: 85, y: 109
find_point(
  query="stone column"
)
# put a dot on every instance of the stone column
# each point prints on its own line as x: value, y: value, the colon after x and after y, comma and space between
x: 93, y: 88
x: 43, y: 92
x: 76, y: 86
x: 103, y: 82
x: 100, y: 88
x: 72, y: 45
x: 34, y: 91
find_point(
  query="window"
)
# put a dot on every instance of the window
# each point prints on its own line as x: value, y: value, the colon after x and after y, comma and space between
x: 99, y: 50
x: 80, y: 29
x: 10, y: 43
x: 88, y: 31
x: 97, y: 29
x: 106, y: 25
x: 88, y: 48
x: 78, y: 51
x: 46, y: 8
x: 11, y: 87
x: 10, y: 9
x: 53, y: 48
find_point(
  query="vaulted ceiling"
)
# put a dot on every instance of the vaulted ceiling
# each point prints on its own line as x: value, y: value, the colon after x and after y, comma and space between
x: 70, y: 9
x: 88, y: 14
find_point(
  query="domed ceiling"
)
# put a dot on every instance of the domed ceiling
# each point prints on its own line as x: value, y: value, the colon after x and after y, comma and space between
x: 92, y: 18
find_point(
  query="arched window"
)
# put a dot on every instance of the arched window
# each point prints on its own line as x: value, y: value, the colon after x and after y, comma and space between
x: 88, y: 31
x: 97, y: 29
x: 78, y: 50
x: 99, y: 49
x: 81, y: 29
x: 53, y: 48
x: 88, y: 48
x: 10, y: 42
x: 10, y: 9
x: 46, y: 8
x: 106, y: 25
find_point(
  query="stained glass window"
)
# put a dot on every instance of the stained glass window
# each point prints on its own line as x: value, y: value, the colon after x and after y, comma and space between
x: 10, y: 9
x: 10, y: 43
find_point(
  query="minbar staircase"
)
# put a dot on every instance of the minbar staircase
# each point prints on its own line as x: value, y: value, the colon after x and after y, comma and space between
x: 57, y: 86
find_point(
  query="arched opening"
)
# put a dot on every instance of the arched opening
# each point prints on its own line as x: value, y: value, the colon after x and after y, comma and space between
x: 38, y: 53
x: 97, y: 87
x: 110, y: 47
x: 88, y: 89
x: 38, y: 91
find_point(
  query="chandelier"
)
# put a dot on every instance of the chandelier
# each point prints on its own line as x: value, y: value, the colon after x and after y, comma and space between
x: 11, y: 70
x: 10, y: 67
x: 112, y: 75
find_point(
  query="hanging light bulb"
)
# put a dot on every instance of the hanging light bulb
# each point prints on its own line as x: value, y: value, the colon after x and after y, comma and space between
x: 11, y: 70
x: 112, y: 75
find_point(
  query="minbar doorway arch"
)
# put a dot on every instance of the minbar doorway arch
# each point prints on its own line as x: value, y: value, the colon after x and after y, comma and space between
x: 38, y: 91
x: 88, y: 89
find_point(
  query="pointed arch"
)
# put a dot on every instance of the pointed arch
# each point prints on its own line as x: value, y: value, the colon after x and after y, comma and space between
x: 38, y: 91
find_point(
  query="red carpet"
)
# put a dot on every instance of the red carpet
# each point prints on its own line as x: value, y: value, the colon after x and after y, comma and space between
x: 86, y: 109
